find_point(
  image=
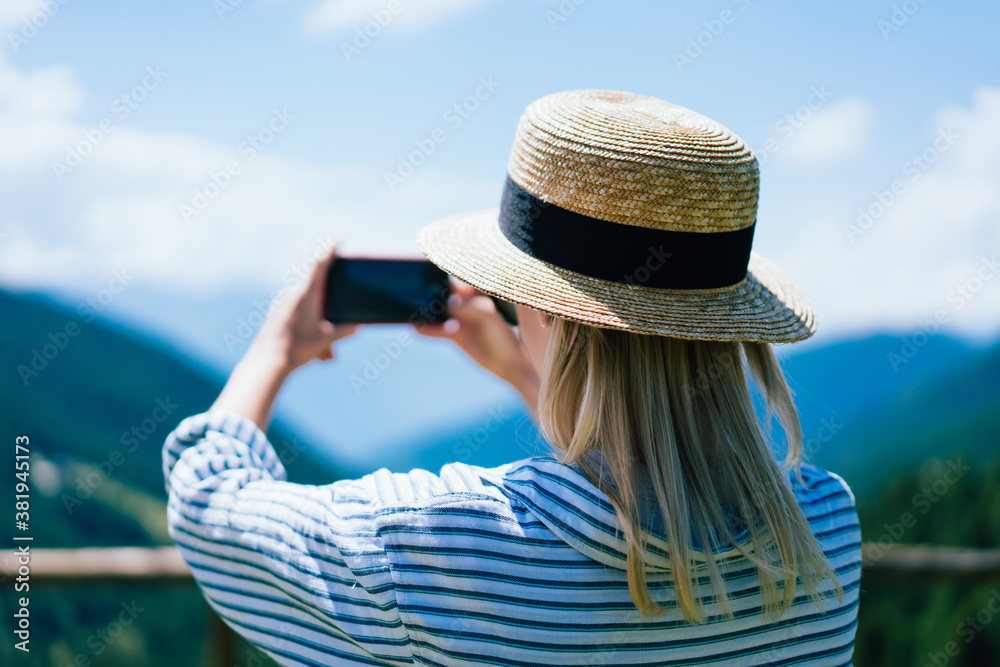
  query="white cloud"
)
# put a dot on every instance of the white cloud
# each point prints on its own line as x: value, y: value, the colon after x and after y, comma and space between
x: 341, y: 16
x: 12, y: 12
x: 33, y: 111
x: 829, y: 135
x: 920, y: 246
x: 22, y: 20
x: 46, y: 91
x: 120, y: 208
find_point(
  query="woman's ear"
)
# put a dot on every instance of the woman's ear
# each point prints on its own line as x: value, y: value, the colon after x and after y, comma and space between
x: 544, y: 319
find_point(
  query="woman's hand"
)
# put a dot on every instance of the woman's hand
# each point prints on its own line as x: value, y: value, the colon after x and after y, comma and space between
x: 477, y: 328
x: 294, y: 333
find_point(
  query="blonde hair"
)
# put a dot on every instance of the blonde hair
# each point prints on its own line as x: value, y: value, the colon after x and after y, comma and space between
x: 683, y: 409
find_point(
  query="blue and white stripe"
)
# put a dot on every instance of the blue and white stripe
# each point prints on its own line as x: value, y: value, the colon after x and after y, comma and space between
x: 514, y: 565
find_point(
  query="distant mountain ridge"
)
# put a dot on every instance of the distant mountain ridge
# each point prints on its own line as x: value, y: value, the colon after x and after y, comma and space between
x: 105, y: 389
x: 860, y: 417
x: 943, y: 401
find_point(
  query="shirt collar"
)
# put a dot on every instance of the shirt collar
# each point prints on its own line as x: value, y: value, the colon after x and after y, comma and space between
x: 582, y: 515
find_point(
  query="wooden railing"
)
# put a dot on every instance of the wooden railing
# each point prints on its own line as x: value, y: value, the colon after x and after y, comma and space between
x: 164, y: 565
x: 929, y: 563
x: 115, y: 566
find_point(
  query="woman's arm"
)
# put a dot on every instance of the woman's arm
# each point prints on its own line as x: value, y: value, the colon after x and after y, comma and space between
x: 299, y: 570
x: 293, y: 334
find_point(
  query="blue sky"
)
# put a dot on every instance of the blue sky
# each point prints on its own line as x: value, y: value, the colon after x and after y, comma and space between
x: 879, y: 96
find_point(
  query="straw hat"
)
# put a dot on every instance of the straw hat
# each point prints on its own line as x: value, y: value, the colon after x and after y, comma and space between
x: 624, y: 211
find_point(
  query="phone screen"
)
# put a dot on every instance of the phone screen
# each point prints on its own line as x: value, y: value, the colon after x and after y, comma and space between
x: 362, y: 290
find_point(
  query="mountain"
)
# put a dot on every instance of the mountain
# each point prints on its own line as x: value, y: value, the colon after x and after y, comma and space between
x: 97, y: 402
x: 861, y: 417
x: 880, y: 418
x: 853, y: 376
x: 80, y: 388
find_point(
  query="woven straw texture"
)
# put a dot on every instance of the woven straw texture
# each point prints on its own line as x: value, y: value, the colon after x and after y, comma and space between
x: 631, y: 160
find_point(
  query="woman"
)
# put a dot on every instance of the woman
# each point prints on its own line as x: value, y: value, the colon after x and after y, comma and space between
x: 661, y: 530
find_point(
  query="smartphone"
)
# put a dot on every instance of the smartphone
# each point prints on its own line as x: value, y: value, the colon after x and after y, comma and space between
x: 363, y: 290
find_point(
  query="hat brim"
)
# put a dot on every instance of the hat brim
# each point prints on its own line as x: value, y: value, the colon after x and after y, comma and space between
x: 767, y: 306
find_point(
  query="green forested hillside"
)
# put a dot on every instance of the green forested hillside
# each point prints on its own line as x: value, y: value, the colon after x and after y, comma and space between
x: 97, y: 403
x: 955, y: 408
x: 98, y: 411
x: 911, y: 622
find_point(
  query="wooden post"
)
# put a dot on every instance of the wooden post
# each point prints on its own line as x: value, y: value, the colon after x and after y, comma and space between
x: 219, y: 645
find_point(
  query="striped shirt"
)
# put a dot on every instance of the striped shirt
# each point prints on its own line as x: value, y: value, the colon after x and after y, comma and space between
x: 519, y: 564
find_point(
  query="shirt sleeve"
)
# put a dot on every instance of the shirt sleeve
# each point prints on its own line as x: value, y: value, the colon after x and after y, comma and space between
x: 299, y: 570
